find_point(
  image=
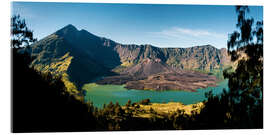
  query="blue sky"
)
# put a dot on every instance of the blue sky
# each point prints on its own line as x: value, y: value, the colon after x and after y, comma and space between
x: 158, y: 25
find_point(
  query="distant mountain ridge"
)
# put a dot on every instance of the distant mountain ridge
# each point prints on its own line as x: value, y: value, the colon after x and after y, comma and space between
x: 83, y: 57
x: 204, y: 57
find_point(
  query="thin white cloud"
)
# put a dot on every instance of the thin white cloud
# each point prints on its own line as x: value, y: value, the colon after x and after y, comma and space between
x: 180, y: 32
x: 184, y: 37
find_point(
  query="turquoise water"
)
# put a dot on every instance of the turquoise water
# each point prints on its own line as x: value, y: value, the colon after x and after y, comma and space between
x: 103, y: 94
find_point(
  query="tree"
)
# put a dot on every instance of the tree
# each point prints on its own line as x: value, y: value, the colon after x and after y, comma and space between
x: 128, y: 103
x: 242, y: 105
x: 20, y: 34
x: 246, y: 82
x: 145, y: 102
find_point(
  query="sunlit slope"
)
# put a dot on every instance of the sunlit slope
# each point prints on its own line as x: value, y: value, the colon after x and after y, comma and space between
x: 58, y: 55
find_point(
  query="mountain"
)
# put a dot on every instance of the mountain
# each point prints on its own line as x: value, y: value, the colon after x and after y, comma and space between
x: 81, y: 57
x: 77, y: 55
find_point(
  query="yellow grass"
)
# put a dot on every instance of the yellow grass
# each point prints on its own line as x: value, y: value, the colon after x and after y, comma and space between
x: 164, y: 109
x: 59, y: 67
x: 126, y: 64
x: 171, y: 107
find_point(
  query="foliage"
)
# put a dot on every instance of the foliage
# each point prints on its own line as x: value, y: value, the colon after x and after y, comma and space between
x: 246, y: 83
x: 20, y: 34
x: 40, y: 102
x: 145, y: 102
x: 242, y: 105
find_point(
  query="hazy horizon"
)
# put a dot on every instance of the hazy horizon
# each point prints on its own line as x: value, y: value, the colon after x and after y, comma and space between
x: 160, y: 25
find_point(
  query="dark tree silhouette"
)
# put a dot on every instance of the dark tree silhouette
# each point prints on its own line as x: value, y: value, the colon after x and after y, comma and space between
x: 242, y: 105
x: 246, y: 82
x: 20, y: 34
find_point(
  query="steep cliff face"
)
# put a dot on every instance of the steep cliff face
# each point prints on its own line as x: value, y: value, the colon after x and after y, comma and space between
x: 204, y: 57
x: 82, y: 57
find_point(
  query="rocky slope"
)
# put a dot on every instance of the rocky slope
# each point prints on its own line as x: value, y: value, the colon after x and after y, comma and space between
x: 156, y: 75
x: 82, y: 57
x: 204, y: 57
